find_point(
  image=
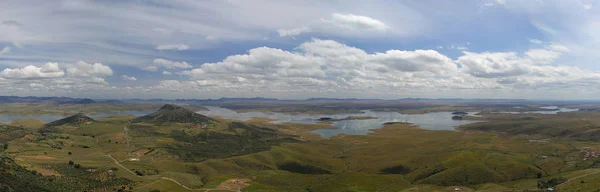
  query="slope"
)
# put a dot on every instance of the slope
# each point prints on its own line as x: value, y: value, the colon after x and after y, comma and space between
x: 170, y: 113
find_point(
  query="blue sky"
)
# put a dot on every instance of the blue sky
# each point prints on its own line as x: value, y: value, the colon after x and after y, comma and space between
x: 538, y: 49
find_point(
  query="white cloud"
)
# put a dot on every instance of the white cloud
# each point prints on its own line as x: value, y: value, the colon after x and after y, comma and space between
x: 35, y: 85
x: 166, y: 73
x: 543, y: 56
x: 320, y: 65
x: 356, y: 22
x: 324, y: 64
x: 47, y: 71
x: 171, y: 64
x: 462, y: 48
x: 128, y: 78
x: 83, y: 69
x: 293, y: 32
x: 536, y: 41
x: 5, y: 50
x: 179, y: 47
x: 507, y: 64
x: 494, y: 2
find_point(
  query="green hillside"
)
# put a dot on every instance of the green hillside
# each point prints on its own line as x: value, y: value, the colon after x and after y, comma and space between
x: 170, y: 113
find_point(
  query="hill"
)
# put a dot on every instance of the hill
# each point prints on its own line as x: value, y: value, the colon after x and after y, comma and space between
x: 57, y: 100
x: 16, y: 178
x: 170, y: 113
x: 76, y: 119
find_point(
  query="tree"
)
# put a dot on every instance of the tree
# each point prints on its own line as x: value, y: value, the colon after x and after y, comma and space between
x: 77, y: 166
x: 5, y: 146
x: 70, y: 153
x: 139, y: 173
x: 71, y: 162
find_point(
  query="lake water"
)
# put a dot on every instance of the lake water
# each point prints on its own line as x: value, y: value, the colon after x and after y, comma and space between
x: 432, y: 121
x: 49, y: 118
x: 554, y: 110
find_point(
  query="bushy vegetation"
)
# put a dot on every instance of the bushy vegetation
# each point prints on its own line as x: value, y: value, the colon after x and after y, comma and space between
x: 9, y: 133
x: 295, y: 167
x: 550, y: 183
x: 15, y: 178
x: 240, y: 140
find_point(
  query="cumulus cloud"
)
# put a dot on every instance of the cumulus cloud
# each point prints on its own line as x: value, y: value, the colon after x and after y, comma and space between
x: 356, y: 22
x: 323, y: 63
x: 128, y: 78
x: 170, y: 64
x: 179, y: 47
x: 83, y: 69
x: 506, y: 64
x: 166, y: 73
x: 292, y: 32
x: 330, y: 66
x: 47, y: 71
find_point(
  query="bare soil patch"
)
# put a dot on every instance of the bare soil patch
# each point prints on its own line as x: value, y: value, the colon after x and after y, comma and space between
x: 41, y: 157
x: 233, y: 184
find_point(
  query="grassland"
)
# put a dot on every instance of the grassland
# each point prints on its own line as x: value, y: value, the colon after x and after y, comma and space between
x: 505, y: 153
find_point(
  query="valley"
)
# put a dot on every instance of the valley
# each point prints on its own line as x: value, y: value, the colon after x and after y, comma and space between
x: 177, y: 149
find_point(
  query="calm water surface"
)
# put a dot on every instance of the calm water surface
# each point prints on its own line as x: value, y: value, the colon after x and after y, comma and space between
x: 432, y: 121
x: 555, y: 110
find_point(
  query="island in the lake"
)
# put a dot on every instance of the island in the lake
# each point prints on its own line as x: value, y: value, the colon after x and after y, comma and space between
x: 331, y: 120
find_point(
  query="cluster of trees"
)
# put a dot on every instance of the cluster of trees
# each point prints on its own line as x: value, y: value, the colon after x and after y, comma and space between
x: 77, y: 166
x: 550, y: 183
x: 146, y: 172
x: 4, y: 147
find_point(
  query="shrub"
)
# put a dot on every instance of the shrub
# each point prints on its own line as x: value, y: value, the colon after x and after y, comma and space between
x: 71, y: 162
x: 543, y: 184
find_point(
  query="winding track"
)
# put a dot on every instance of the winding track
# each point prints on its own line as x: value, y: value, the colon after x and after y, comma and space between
x: 170, y: 179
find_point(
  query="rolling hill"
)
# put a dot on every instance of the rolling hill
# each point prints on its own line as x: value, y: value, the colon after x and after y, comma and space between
x: 76, y: 119
x: 170, y: 113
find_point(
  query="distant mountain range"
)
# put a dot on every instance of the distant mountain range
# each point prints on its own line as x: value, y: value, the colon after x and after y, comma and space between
x: 58, y: 100
x: 69, y: 100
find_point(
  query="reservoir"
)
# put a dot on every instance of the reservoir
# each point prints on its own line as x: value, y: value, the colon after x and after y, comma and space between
x: 432, y: 121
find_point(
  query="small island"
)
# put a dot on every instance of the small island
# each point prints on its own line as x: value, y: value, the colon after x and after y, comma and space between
x: 329, y: 119
x: 395, y: 122
x: 457, y: 117
x: 460, y: 113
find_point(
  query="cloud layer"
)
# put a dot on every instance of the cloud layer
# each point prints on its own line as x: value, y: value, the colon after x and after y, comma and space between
x: 300, y: 49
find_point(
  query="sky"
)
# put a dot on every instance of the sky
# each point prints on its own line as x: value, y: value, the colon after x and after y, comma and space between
x: 501, y: 49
